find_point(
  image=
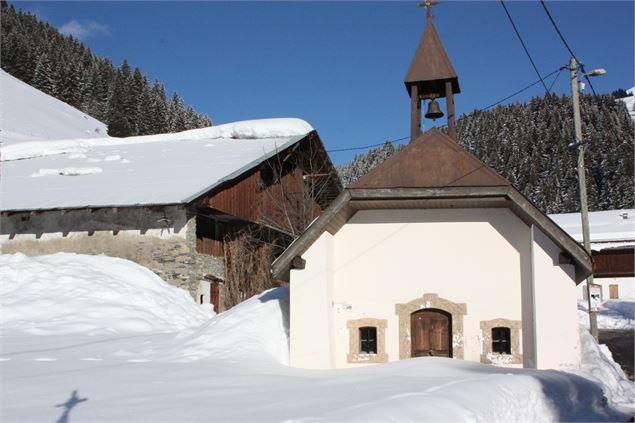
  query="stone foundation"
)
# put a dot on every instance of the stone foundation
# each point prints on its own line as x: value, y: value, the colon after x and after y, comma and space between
x: 168, y: 251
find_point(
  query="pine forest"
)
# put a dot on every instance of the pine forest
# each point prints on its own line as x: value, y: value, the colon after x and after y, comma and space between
x: 61, y: 66
x: 527, y: 144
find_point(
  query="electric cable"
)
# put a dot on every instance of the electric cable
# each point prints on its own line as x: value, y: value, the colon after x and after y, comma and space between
x: 524, y: 46
x: 524, y: 89
x: 555, y: 26
x: 558, y: 71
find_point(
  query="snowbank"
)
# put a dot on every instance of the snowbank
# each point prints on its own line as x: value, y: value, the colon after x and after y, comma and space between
x: 249, y: 129
x: 615, y: 314
x: 71, y: 293
x: 253, y: 331
x: 598, y: 365
x: 170, y: 360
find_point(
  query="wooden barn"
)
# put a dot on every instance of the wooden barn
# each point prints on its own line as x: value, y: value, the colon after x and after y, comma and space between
x: 170, y: 202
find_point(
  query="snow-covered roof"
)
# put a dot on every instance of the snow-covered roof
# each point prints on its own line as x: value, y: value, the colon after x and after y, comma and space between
x: 28, y: 114
x: 144, y: 170
x: 608, y: 229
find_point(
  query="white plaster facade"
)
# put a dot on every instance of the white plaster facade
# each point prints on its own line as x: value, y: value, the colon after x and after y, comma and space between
x: 487, y: 258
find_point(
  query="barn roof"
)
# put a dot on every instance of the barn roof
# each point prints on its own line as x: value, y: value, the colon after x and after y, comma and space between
x: 608, y: 228
x: 434, y: 184
x: 145, y: 170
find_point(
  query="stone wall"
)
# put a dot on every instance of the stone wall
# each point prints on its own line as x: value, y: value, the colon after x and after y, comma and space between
x: 162, y: 239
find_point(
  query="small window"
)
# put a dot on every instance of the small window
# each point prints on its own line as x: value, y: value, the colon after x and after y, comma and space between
x: 501, y: 340
x: 368, y: 340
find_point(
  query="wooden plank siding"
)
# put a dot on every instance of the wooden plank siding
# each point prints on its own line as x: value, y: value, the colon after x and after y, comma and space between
x: 614, y: 263
x: 280, y: 195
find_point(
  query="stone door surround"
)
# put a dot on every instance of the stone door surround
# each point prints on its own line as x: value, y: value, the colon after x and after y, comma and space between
x: 457, y: 310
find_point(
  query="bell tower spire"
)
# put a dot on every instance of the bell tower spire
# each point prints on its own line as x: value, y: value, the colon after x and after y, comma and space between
x: 431, y: 76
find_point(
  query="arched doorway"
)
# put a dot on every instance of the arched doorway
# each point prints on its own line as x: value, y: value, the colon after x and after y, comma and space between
x: 431, y: 333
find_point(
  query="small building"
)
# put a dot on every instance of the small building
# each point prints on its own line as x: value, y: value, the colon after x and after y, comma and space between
x: 612, y: 236
x: 432, y: 253
x: 168, y: 202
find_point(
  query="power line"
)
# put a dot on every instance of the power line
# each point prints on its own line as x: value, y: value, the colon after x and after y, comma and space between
x: 367, y: 146
x: 556, y: 78
x: 526, y: 88
x: 558, y: 71
x: 555, y: 26
x: 524, y: 46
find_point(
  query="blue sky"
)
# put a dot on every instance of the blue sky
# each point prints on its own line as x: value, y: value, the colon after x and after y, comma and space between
x: 340, y: 65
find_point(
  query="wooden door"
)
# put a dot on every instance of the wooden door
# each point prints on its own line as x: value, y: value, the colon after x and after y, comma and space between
x: 613, y: 292
x: 431, y: 333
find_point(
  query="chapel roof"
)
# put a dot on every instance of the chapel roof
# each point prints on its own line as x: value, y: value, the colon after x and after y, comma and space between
x: 433, y: 172
x: 433, y: 160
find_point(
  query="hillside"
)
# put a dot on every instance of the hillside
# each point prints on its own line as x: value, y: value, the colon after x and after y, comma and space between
x: 62, y: 67
x: 27, y: 114
x: 527, y: 144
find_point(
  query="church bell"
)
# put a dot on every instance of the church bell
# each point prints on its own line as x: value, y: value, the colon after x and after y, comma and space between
x: 434, y: 111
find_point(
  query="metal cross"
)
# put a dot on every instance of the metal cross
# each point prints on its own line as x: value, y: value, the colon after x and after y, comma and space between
x: 428, y: 4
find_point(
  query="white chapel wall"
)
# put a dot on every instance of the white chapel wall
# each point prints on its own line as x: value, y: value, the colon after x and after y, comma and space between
x: 388, y: 257
x: 311, y: 308
x: 556, y: 316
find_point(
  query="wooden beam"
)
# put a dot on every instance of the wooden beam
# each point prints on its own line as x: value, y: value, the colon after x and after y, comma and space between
x: 415, y: 113
x: 449, y: 102
x: 298, y: 263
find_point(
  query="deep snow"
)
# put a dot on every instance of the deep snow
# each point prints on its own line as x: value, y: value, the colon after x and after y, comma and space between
x: 614, y: 314
x: 27, y: 114
x: 144, y: 351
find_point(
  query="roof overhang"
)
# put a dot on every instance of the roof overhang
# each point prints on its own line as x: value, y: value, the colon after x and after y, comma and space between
x: 352, y: 200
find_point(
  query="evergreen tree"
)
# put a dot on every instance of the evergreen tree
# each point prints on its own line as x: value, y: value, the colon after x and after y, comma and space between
x: 61, y: 66
x: 527, y: 144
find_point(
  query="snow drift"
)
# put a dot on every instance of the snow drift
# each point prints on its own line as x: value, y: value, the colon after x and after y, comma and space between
x: 156, y: 355
x: 72, y: 293
x: 615, y: 314
x: 244, y: 130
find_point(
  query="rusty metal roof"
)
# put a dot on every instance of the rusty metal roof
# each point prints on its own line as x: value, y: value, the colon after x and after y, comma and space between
x: 433, y: 160
x: 431, y: 66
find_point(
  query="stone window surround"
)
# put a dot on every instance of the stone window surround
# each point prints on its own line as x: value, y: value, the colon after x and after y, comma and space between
x: 456, y: 310
x: 354, y: 355
x: 514, y: 333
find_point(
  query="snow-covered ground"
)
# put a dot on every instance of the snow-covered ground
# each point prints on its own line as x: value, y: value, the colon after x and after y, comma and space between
x: 615, y: 314
x: 27, y: 114
x: 97, y: 338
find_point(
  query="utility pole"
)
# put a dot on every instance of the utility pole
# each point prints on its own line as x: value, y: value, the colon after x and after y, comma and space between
x: 584, y: 209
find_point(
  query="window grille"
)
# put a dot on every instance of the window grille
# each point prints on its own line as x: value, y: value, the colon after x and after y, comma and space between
x: 501, y: 340
x: 368, y: 340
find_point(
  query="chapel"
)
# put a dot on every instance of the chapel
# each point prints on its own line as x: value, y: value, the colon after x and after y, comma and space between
x: 433, y: 254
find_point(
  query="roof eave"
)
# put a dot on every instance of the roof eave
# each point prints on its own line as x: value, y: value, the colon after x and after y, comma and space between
x: 520, y: 205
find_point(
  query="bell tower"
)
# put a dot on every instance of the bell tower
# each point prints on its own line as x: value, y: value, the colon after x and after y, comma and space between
x: 431, y: 76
